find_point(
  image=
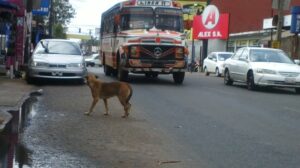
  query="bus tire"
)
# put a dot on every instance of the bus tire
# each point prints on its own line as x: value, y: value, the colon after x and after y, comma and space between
x: 122, y: 75
x: 178, y: 77
x: 107, y: 70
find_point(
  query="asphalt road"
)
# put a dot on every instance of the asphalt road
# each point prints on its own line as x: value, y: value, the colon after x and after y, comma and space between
x: 202, y: 123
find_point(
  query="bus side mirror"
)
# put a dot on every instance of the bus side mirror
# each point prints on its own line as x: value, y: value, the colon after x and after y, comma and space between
x: 117, y: 19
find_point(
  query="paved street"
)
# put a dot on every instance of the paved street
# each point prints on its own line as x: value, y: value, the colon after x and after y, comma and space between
x: 202, y: 123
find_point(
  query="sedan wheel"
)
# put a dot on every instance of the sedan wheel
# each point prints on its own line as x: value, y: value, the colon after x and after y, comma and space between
x: 206, y: 71
x: 250, y: 82
x: 218, y: 72
x: 227, y: 79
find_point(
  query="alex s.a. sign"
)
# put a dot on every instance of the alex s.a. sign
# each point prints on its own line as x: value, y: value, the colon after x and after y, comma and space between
x: 211, y: 24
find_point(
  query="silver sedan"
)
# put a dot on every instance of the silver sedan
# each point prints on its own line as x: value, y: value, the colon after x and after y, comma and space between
x: 262, y: 67
x: 56, y: 59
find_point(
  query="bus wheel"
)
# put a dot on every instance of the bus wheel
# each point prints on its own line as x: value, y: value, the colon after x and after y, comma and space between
x: 178, y: 77
x: 107, y: 70
x: 122, y: 75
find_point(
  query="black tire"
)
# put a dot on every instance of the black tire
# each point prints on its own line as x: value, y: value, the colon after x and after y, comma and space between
x: 178, y: 77
x: 297, y: 90
x: 29, y: 80
x: 250, y: 82
x: 206, y: 71
x: 107, y: 70
x: 218, y: 72
x: 122, y: 75
x: 227, y: 79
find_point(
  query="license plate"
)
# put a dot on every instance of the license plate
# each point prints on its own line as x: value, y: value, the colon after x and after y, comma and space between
x: 56, y: 73
x: 290, y: 80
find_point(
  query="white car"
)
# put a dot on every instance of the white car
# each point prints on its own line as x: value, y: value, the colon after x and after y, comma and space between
x: 262, y: 67
x: 213, y: 63
x: 93, y: 60
x: 56, y: 59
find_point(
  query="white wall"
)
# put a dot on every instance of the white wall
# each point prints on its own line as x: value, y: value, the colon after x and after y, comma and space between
x: 216, y: 45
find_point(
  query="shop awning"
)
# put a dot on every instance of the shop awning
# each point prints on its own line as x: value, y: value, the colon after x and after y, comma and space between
x: 8, y: 5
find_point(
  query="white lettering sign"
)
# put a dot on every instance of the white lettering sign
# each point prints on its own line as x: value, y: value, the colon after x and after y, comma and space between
x: 210, y: 34
x: 154, y: 3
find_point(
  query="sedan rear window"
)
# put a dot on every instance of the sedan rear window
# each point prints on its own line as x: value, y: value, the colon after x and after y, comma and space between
x: 58, y: 47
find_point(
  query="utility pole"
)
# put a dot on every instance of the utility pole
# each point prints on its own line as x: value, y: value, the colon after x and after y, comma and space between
x: 50, y: 18
x: 280, y: 22
x: 204, y: 45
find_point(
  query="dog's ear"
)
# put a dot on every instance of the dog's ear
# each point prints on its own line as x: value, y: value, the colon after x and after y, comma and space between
x: 96, y: 76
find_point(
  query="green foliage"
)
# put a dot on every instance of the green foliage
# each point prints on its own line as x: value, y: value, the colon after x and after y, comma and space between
x: 59, y: 32
x: 63, y: 12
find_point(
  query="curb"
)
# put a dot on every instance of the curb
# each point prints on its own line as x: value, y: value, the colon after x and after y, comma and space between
x: 5, y: 117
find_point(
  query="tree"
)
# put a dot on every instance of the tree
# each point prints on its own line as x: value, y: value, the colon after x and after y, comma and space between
x: 62, y: 12
x: 59, y: 31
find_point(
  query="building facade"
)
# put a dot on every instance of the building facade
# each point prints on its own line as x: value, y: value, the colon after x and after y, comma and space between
x: 246, y: 24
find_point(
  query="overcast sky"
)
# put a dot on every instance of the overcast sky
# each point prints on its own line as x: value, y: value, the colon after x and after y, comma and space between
x: 88, y: 13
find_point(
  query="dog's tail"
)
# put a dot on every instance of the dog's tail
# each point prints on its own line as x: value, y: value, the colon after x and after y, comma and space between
x: 130, y: 94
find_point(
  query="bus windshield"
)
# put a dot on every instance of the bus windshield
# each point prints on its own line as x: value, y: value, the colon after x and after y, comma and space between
x: 146, y: 18
x: 137, y: 18
x: 169, y: 19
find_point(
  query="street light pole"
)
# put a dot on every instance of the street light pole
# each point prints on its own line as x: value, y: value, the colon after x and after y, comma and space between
x: 204, y: 45
x: 50, y: 18
x: 280, y: 21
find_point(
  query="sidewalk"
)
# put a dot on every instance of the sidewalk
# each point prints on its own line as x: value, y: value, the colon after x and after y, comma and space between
x: 13, y: 93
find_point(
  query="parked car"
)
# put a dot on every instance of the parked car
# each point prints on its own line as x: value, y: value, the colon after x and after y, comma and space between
x: 213, y: 63
x: 56, y: 59
x: 262, y: 67
x: 93, y: 60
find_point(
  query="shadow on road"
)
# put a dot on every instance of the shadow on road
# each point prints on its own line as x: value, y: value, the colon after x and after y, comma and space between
x: 270, y: 90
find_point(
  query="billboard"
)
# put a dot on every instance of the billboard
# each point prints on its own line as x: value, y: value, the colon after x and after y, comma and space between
x: 43, y: 10
x: 190, y: 9
x: 211, y: 24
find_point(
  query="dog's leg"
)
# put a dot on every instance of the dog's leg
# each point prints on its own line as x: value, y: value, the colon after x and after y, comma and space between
x: 127, y: 109
x: 126, y: 106
x: 106, y: 107
x: 95, y: 100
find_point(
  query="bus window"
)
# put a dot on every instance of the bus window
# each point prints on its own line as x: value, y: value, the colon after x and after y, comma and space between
x: 169, y: 19
x: 137, y: 18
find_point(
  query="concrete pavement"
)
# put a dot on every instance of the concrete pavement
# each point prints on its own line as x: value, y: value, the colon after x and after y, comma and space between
x: 13, y: 92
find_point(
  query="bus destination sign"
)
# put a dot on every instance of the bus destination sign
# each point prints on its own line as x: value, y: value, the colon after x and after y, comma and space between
x: 154, y: 2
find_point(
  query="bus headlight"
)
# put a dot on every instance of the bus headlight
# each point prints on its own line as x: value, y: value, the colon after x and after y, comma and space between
x: 179, y: 52
x: 135, y: 51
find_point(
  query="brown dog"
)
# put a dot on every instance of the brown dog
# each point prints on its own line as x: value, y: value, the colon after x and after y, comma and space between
x: 104, y: 90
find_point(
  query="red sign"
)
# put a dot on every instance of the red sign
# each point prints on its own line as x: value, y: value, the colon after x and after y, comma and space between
x: 211, y: 24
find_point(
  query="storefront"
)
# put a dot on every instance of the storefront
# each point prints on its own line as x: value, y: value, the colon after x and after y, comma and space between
x: 7, y: 31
